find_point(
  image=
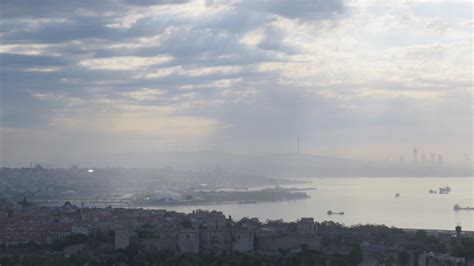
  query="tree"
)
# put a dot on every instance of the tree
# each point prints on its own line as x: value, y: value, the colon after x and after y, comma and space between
x: 186, y: 224
x: 404, y: 258
x: 356, y: 255
x: 421, y: 235
x: 69, y: 240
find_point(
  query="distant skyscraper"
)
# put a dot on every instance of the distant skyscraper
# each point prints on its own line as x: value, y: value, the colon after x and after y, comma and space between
x: 423, y: 158
x: 433, y: 157
x: 402, y: 159
x: 458, y: 231
x: 415, y: 155
x: 298, y: 145
x: 440, y: 159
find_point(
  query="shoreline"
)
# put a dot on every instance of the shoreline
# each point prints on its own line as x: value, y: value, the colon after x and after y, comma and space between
x: 166, y: 208
x: 214, y: 203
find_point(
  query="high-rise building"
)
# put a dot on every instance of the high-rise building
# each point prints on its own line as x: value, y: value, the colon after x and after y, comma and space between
x: 440, y: 159
x: 415, y: 155
x: 467, y: 159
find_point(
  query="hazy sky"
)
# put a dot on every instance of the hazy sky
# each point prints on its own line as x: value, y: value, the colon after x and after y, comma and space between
x: 359, y: 79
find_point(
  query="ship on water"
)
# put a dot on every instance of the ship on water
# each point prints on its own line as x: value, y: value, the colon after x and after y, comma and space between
x: 444, y: 190
x: 330, y: 212
x: 459, y: 208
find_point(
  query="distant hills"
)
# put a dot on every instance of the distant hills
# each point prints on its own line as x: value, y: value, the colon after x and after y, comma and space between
x: 275, y: 165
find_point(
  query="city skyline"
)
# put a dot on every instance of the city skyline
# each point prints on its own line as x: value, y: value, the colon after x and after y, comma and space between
x: 236, y: 132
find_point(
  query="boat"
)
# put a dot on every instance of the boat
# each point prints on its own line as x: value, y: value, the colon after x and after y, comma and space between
x: 459, y: 208
x: 432, y: 191
x: 444, y: 190
x: 397, y: 195
x: 331, y: 213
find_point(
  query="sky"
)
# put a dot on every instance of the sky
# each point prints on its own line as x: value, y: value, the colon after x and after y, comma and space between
x: 355, y: 79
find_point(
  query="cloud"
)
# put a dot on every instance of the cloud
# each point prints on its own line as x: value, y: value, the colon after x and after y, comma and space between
x: 124, y: 62
x: 300, y: 9
x: 10, y: 61
x: 57, y: 8
x: 249, y: 72
x: 144, y: 94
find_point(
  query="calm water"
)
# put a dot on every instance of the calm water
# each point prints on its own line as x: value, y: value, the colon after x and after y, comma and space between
x: 369, y: 200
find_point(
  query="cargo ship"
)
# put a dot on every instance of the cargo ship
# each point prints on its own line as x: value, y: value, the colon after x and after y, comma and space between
x: 459, y: 208
x: 444, y: 190
x: 331, y: 213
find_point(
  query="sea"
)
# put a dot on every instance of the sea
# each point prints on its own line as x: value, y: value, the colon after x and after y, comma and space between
x: 367, y: 200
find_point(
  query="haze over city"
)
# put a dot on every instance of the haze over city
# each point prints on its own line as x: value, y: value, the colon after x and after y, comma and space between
x: 236, y: 132
x: 363, y: 80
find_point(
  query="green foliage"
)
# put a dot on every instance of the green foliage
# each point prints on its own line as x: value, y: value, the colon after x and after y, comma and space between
x: 131, y: 256
x: 97, y: 237
x: 423, y: 241
x: 421, y: 235
x: 465, y: 249
x: 69, y: 240
x: 356, y: 255
x: 186, y: 224
x: 434, y: 244
x: 404, y: 258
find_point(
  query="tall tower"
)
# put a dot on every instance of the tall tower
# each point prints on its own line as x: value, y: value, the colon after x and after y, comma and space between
x: 415, y: 155
x: 298, y: 145
x: 458, y: 231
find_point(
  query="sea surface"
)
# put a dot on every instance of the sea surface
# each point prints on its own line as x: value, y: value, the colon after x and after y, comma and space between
x: 368, y: 200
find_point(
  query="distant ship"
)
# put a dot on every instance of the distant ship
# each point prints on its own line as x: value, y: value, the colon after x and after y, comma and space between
x: 444, y: 190
x: 397, y: 195
x: 432, y: 191
x: 331, y: 213
x: 459, y: 208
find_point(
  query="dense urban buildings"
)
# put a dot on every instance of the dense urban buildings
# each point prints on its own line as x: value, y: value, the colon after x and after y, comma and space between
x: 74, y: 235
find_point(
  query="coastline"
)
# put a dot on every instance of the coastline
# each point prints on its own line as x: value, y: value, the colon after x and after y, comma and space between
x: 186, y: 204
